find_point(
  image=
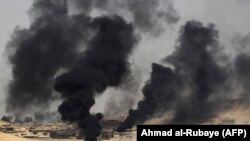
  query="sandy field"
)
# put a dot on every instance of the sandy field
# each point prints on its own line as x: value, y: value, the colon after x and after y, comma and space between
x: 9, y: 137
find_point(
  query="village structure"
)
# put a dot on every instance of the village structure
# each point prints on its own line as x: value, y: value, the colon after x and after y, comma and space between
x: 49, y: 131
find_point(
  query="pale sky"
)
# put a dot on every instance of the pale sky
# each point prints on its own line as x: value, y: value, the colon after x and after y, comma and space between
x: 230, y: 17
x: 12, y: 13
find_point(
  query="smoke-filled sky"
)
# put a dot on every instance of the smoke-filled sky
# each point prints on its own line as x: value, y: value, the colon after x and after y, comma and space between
x: 231, y: 18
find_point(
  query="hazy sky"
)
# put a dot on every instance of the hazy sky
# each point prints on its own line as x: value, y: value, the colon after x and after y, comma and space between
x: 12, y: 13
x: 230, y: 17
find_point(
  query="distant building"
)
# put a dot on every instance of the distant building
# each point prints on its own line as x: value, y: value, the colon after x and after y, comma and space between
x: 63, y: 134
x: 7, y: 129
x: 106, y: 134
x: 227, y: 121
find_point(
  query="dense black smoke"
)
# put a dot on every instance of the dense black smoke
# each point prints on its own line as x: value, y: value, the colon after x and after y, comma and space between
x: 195, y: 65
x: 7, y: 118
x: 195, y: 77
x: 147, y: 15
x: 157, y: 92
x: 104, y: 63
x: 38, y: 53
x: 55, y: 43
x: 51, y: 43
x: 91, y: 127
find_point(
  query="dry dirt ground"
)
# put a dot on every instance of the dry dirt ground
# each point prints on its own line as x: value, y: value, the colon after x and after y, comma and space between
x: 9, y: 137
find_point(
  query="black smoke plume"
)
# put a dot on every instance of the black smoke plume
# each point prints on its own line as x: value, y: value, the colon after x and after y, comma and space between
x: 55, y: 43
x: 157, y: 92
x: 196, y: 76
x: 7, y: 118
x: 51, y: 43
x: 196, y: 68
x: 38, y: 53
x: 104, y: 63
